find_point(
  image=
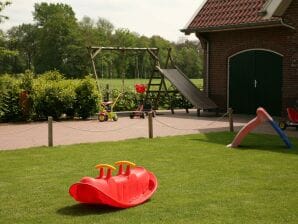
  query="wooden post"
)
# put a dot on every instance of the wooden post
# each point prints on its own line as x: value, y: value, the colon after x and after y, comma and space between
x: 107, y: 92
x: 231, y: 122
x: 50, y: 131
x: 150, y: 124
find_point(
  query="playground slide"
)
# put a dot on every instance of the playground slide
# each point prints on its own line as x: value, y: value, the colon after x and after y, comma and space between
x: 262, y: 116
x: 197, y: 98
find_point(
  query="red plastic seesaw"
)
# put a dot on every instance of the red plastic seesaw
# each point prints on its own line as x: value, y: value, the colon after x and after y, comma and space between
x: 130, y: 187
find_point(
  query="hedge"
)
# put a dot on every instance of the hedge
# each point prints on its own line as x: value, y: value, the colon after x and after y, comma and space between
x: 27, y: 96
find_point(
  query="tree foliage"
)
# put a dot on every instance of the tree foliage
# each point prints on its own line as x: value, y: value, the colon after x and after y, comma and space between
x: 4, y: 52
x: 57, y: 41
x: 3, y: 4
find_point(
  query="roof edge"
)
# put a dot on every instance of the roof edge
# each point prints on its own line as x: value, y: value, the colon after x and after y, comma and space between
x: 275, y: 8
x: 195, y: 14
x: 243, y: 26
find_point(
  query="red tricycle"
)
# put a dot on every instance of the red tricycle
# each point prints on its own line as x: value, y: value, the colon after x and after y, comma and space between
x: 143, y: 107
x: 139, y: 112
x: 292, y: 119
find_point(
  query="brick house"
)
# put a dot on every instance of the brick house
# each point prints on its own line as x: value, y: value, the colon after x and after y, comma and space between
x: 251, y: 53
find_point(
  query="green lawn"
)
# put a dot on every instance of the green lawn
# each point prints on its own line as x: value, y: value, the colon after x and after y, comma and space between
x: 129, y: 83
x: 200, y: 181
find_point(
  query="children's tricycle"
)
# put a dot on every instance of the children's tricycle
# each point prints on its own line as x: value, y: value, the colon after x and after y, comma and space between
x: 106, y: 112
x: 292, y: 119
x: 143, y: 107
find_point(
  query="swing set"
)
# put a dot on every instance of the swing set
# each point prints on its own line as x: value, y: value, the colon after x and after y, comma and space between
x: 124, y: 53
x: 156, y: 89
x: 128, y: 52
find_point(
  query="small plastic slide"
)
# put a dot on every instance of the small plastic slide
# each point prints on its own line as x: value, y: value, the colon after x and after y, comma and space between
x: 130, y: 187
x: 262, y: 116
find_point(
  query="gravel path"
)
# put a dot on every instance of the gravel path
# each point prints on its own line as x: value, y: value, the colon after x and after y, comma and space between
x: 20, y: 136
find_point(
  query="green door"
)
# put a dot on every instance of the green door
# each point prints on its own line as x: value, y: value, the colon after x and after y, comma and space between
x: 255, y: 81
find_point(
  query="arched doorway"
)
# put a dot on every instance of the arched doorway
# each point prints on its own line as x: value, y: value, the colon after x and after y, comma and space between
x: 255, y: 79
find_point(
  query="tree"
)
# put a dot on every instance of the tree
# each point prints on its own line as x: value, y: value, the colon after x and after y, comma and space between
x: 5, y: 53
x: 188, y: 57
x: 105, y: 30
x: 23, y: 39
x: 59, y: 45
x: 3, y: 4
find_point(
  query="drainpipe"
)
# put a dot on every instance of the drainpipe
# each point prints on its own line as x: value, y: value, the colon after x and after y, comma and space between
x: 207, y: 67
x: 201, y: 37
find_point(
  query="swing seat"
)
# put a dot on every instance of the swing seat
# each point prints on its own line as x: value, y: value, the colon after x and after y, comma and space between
x: 129, y: 188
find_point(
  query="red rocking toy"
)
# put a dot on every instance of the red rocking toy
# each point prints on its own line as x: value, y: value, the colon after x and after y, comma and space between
x: 130, y: 187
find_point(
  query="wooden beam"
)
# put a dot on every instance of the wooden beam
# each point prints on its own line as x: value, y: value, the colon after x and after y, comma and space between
x: 123, y: 48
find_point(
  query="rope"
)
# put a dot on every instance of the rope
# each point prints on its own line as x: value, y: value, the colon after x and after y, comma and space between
x: 117, y: 129
x: 217, y: 120
x: 190, y: 129
x: 96, y: 131
x: 169, y: 126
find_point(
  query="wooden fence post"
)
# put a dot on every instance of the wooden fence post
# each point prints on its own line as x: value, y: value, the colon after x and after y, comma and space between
x: 150, y: 124
x: 50, y: 131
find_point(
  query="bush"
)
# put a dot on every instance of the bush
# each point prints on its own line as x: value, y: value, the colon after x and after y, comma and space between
x: 10, y: 109
x: 54, y: 96
x: 51, y: 76
x: 26, y: 101
x: 54, y: 99
x: 50, y: 94
x: 86, y: 100
x: 127, y: 101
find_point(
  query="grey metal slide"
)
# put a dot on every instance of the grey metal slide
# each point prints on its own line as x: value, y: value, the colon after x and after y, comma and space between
x: 196, y: 97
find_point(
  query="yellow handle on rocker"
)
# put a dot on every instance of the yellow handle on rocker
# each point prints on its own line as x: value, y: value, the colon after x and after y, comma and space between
x: 99, y: 166
x: 101, y: 170
x: 131, y: 164
x: 128, y: 166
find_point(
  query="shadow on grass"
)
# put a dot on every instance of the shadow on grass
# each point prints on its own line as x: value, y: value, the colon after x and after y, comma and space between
x: 264, y: 142
x: 84, y: 209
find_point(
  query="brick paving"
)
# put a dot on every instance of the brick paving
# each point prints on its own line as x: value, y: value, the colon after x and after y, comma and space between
x: 21, y: 136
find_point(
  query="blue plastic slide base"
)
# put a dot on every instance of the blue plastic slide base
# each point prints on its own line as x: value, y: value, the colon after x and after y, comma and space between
x: 281, y: 134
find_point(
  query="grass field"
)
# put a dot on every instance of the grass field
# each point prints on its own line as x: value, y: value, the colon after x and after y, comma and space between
x: 200, y: 181
x: 129, y: 83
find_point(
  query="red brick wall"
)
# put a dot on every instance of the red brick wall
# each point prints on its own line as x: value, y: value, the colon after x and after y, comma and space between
x: 282, y: 40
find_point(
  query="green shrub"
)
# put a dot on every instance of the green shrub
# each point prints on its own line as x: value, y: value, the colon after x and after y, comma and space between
x: 127, y: 101
x: 10, y: 109
x: 26, y: 100
x: 86, y: 98
x: 51, y: 76
x: 27, y: 81
x: 54, y: 97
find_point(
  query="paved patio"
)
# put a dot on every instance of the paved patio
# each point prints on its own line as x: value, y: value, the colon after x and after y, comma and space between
x: 20, y: 136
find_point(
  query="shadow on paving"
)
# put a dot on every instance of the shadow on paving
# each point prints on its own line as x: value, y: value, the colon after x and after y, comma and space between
x: 191, y: 115
x: 264, y: 142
